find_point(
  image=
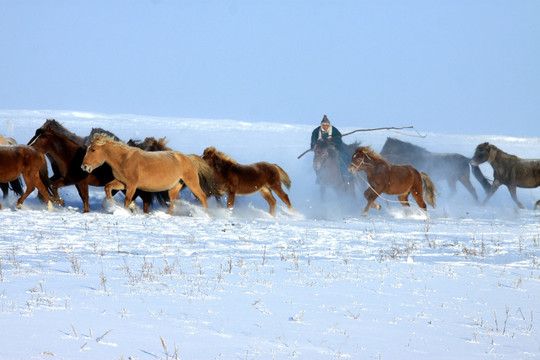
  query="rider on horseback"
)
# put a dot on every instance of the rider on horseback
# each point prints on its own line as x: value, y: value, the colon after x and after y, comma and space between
x: 327, y: 132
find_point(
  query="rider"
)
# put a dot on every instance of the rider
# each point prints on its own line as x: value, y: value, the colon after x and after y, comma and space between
x: 328, y: 132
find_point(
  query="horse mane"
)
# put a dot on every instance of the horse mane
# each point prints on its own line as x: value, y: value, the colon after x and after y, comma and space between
x: 94, y: 131
x: 150, y: 143
x: 371, y: 153
x: 53, y: 125
x: 102, y: 139
x: 409, y: 146
x: 220, y: 155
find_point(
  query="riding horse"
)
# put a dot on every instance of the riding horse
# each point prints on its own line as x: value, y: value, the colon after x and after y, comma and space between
x: 449, y: 166
x: 16, y: 185
x: 261, y: 177
x: 384, y: 177
x: 149, y: 171
x: 25, y: 160
x: 327, y: 166
x: 508, y: 169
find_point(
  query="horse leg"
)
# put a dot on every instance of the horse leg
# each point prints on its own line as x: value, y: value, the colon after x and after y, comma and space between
x: 173, y: 196
x: 230, y: 199
x: 466, y: 181
x: 370, y: 195
x: 192, y: 182
x: 58, y: 183
x: 5, y: 189
x: 267, y: 195
x: 512, y: 190
x: 130, y: 191
x: 494, y: 187
x: 283, y: 196
x: 113, y: 185
x: 82, y: 189
x: 43, y: 191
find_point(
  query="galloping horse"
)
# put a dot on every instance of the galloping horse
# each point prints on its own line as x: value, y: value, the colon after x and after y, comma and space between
x: 326, y: 163
x: 508, y: 169
x: 240, y: 179
x: 384, y: 177
x: 207, y: 180
x: 25, y: 160
x: 65, y: 150
x: 451, y: 167
x: 149, y: 171
x: 16, y: 185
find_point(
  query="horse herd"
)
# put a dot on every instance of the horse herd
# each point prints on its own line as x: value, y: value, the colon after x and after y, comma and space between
x: 395, y: 171
x: 147, y: 169
x: 152, y: 171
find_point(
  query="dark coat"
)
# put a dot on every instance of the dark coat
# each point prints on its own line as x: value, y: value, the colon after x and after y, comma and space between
x: 336, y: 137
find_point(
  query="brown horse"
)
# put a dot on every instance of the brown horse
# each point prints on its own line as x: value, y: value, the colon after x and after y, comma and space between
x: 240, y: 179
x: 508, y: 169
x: 326, y: 163
x: 65, y: 150
x: 16, y: 185
x: 149, y: 171
x: 384, y: 177
x: 207, y: 180
x: 25, y: 160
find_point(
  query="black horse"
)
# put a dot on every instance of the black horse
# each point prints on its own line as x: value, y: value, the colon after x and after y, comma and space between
x: 448, y: 166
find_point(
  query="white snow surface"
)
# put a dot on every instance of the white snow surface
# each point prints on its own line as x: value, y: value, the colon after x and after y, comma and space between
x: 319, y: 283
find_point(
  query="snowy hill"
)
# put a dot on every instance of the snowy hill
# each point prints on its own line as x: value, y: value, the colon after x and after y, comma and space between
x: 321, y: 283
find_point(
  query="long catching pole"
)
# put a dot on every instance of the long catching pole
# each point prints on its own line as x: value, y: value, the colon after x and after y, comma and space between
x: 352, y: 132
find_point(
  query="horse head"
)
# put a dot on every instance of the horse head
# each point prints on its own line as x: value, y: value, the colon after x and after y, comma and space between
x: 363, y: 158
x: 484, y: 152
x: 95, y: 156
x: 324, y: 151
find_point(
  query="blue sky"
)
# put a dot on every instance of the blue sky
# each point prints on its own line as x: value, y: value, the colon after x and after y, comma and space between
x: 456, y: 67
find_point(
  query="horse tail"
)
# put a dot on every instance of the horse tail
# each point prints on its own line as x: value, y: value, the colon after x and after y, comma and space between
x: 207, y: 180
x: 429, y: 189
x: 16, y: 186
x: 284, y: 177
x: 480, y: 177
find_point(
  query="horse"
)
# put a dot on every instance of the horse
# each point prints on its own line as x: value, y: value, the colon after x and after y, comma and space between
x: 449, y: 166
x: 16, y: 185
x: 326, y: 163
x: 25, y: 160
x: 385, y: 177
x: 207, y: 180
x: 66, y: 151
x: 149, y: 171
x: 508, y: 169
x: 261, y: 177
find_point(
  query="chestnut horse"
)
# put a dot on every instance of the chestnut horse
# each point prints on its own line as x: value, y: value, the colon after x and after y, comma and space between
x: 16, y: 185
x: 25, y: 160
x: 240, y: 179
x: 206, y: 175
x: 149, y: 171
x: 508, y: 169
x: 384, y: 177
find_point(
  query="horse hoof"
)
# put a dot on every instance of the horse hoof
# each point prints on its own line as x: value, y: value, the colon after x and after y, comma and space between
x: 50, y: 206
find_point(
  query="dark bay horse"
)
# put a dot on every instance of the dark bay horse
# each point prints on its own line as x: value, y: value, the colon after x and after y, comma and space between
x: 66, y: 151
x: 508, y: 169
x: 261, y: 177
x: 16, y: 185
x: 134, y: 169
x: 448, y: 166
x: 25, y: 160
x: 384, y: 177
x: 326, y: 163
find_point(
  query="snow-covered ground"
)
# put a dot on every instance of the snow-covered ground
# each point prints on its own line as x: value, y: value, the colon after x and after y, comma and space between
x: 321, y: 283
